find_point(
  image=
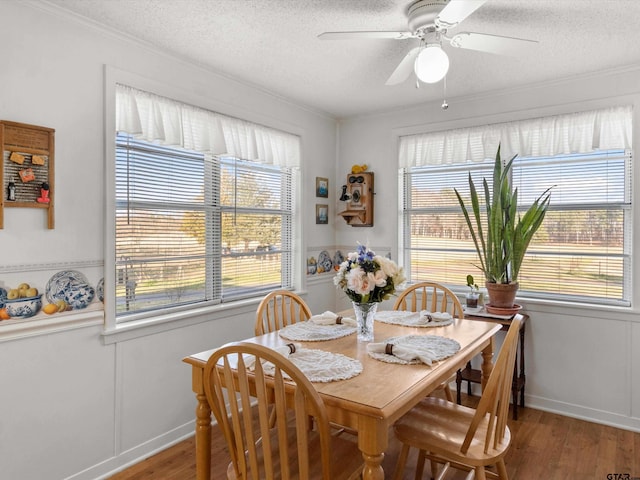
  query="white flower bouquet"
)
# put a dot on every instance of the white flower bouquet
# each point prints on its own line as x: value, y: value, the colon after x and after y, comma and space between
x: 367, y: 278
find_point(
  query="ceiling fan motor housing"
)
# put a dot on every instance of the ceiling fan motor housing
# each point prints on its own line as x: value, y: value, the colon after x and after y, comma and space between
x: 422, y: 14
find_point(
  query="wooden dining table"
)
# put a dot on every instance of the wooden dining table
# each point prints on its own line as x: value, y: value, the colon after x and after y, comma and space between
x: 372, y: 401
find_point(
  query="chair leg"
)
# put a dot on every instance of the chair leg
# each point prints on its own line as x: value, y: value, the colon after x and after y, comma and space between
x: 480, y: 473
x: 502, y: 470
x: 447, y: 392
x: 434, y: 468
x: 420, y: 464
x: 402, y: 461
x: 458, y: 386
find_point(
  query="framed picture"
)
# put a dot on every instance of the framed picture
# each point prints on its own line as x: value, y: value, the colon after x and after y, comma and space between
x: 322, y: 187
x: 322, y: 214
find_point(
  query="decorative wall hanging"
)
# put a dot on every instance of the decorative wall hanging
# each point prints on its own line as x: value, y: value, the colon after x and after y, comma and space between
x: 27, y: 168
x: 322, y: 187
x: 357, y: 194
x: 322, y: 214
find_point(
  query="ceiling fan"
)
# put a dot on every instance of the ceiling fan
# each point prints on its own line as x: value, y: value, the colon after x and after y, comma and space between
x: 429, y: 21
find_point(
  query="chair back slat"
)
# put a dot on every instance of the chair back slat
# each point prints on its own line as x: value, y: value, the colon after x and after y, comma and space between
x: 279, y: 309
x: 258, y: 448
x: 430, y: 296
x: 493, y: 406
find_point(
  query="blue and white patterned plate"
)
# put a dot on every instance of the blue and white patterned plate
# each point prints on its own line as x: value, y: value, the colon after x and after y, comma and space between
x: 3, y: 297
x: 100, y: 290
x: 324, y: 261
x: 72, y: 287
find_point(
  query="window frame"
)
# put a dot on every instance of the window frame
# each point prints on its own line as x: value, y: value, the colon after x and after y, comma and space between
x: 115, y: 331
x: 556, y: 298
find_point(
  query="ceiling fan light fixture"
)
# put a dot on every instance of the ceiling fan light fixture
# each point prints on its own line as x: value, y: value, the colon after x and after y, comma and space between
x: 432, y: 64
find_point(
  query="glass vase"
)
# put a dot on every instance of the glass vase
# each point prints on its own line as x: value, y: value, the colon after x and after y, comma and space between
x: 364, y: 318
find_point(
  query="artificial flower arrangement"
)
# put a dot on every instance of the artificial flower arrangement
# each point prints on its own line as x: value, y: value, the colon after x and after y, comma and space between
x: 367, y: 278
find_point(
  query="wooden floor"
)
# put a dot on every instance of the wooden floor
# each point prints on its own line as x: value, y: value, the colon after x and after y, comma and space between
x: 544, y: 446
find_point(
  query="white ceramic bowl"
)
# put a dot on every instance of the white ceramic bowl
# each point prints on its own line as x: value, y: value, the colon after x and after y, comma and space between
x: 24, y: 307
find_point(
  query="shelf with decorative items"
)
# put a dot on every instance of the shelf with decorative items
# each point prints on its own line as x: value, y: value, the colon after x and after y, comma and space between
x: 27, y: 168
x: 358, y: 194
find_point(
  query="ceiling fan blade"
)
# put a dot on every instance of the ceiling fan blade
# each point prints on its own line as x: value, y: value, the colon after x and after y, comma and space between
x: 484, y: 42
x: 405, y: 68
x: 361, y: 35
x: 456, y: 11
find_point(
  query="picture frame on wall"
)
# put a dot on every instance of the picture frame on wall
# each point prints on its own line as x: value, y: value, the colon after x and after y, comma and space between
x: 322, y: 214
x: 322, y: 187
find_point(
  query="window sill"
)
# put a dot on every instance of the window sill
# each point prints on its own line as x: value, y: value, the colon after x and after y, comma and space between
x: 604, y: 312
x: 43, y: 324
x: 593, y: 310
x: 161, y: 323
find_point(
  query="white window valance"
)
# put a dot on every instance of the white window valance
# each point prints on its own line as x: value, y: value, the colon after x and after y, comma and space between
x: 547, y: 136
x: 159, y: 119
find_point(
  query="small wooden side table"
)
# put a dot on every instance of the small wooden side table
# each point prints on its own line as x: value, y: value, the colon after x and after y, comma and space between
x: 471, y: 375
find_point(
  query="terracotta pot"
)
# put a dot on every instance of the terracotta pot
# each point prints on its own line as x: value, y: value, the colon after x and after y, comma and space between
x: 502, y: 295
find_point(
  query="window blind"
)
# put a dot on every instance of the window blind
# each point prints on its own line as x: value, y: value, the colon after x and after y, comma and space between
x: 256, y: 224
x: 163, y: 250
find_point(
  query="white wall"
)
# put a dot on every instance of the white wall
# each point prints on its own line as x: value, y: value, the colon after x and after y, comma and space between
x: 74, y: 403
x: 583, y: 361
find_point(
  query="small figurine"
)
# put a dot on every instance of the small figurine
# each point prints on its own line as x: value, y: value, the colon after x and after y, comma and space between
x: 11, y: 191
x: 359, y: 168
x: 44, y: 194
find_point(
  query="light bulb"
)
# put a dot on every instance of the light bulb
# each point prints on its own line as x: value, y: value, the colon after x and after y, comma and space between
x: 431, y: 64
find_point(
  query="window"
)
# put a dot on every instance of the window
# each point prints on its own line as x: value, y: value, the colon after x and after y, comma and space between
x: 581, y: 253
x: 195, y: 228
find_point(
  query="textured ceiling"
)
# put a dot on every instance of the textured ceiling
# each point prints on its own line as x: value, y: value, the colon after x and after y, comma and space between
x: 273, y: 44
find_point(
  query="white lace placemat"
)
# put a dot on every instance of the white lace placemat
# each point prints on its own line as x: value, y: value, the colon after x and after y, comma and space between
x: 311, y: 332
x: 321, y: 366
x: 440, y: 347
x: 414, y: 319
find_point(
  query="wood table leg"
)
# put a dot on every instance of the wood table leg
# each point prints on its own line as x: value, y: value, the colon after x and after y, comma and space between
x: 203, y: 438
x: 373, y: 439
x: 487, y: 363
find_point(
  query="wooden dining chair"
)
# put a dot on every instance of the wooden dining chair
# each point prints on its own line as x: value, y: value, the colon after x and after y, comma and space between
x: 288, y: 449
x: 434, y: 297
x: 279, y: 309
x: 461, y: 437
x: 430, y: 296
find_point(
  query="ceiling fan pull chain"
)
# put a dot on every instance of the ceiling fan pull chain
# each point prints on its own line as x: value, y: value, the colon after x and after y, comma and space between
x: 445, y: 105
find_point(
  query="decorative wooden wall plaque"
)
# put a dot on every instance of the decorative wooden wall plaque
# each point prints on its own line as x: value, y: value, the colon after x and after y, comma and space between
x: 27, y: 168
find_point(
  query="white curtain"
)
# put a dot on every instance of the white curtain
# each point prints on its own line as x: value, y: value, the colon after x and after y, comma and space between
x: 562, y: 134
x: 159, y: 119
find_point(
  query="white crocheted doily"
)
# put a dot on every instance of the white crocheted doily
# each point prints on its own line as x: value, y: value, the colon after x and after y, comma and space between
x: 409, y: 319
x: 311, y: 332
x: 442, y: 347
x: 321, y: 366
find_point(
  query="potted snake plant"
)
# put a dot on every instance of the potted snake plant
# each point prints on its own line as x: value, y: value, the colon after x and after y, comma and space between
x: 501, y: 235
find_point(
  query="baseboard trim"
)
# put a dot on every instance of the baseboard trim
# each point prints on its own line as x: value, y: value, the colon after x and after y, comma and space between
x: 583, y: 413
x: 113, y: 465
